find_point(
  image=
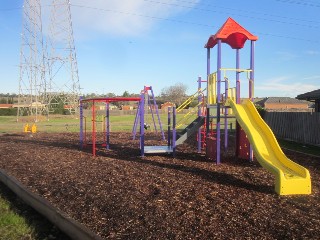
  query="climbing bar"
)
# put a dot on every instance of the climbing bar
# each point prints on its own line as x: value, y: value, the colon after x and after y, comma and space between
x: 190, y: 99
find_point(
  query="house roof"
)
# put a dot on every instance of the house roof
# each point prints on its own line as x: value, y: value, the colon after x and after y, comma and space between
x: 310, y: 96
x: 231, y: 33
x: 284, y: 100
x: 260, y: 101
x: 4, y: 105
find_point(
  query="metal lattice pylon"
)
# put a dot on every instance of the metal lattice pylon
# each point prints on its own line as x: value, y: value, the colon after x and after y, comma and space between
x: 48, y: 65
x: 32, y: 84
x: 63, y: 85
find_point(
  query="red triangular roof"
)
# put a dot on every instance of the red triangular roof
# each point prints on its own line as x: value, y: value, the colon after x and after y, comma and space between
x: 231, y: 33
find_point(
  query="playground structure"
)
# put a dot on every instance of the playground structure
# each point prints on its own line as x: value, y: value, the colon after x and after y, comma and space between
x: 106, y: 122
x: 252, y: 133
x: 149, y: 104
x: 144, y: 102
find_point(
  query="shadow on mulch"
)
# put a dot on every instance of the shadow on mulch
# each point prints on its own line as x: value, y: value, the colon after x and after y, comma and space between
x: 121, y: 152
x: 207, y: 175
x: 42, y: 228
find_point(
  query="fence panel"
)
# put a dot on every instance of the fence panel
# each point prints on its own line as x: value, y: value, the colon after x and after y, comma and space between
x: 301, y: 127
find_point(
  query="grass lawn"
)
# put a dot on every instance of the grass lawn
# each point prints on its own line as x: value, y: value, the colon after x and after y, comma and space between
x: 299, y: 147
x: 19, y: 221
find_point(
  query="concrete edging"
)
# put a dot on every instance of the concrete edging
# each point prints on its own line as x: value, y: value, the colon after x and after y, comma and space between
x: 67, y: 225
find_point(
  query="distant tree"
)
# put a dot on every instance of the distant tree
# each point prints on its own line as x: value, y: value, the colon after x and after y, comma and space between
x: 176, y: 93
x: 126, y: 94
x: 260, y: 110
x: 111, y: 95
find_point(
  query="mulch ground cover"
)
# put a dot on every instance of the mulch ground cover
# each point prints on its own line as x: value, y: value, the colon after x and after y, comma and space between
x: 120, y: 195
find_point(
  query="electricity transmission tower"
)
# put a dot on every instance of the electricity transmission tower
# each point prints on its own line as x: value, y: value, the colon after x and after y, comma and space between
x: 32, y: 99
x: 49, y: 81
x: 63, y: 85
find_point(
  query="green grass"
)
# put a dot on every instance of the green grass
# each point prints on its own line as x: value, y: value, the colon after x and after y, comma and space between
x: 12, y: 226
x: 19, y: 221
x: 67, y: 123
x: 305, y: 148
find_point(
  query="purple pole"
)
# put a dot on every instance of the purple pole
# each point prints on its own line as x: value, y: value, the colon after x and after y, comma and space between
x: 142, y: 124
x: 136, y: 120
x: 169, y: 127
x: 108, y: 126
x: 93, y: 129
x: 251, y: 83
x: 199, y: 114
x: 226, y: 116
x: 208, y: 76
x: 219, y: 99
x: 174, y: 131
x: 251, y: 86
x: 157, y: 112
x: 151, y: 110
x: 237, y: 99
x: 208, y: 113
x: 81, y: 122
x: 237, y: 76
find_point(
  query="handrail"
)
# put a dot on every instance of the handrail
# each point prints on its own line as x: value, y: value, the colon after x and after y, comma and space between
x: 189, y: 100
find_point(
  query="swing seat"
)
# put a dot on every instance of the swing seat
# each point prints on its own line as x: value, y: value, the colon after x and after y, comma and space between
x: 157, y: 149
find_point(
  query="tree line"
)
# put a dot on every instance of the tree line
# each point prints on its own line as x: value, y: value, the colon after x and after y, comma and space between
x: 176, y: 94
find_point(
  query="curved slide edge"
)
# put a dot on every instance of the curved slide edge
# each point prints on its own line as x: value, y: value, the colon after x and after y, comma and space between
x: 290, y: 177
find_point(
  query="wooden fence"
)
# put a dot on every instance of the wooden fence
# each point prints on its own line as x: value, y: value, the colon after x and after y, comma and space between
x: 300, y: 127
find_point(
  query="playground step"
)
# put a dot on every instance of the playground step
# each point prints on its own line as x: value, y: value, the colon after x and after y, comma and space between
x: 189, y: 130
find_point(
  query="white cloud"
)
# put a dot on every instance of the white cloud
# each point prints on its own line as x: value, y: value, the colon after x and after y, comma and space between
x: 125, y: 17
x: 312, y: 52
x: 283, y: 87
x: 315, y: 77
x: 286, y: 56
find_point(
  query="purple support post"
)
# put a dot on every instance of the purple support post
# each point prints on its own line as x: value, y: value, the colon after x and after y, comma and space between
x: 81, y: 122
x: 237, y: 99
x: 226, y: 116
x: 151, y: 110
x: 208, y: 76
x: 142, y: 125
x: 108, y: 126
x: 157, y: 112
x: 174, y: 131
x: 218, y: 100
x: 93, y: 129
x: 251, y: 86
x: 199, y: 114
x: 169, y: 126
x: 237, y: 76
x: 135, y: 124
x: 251, y: 83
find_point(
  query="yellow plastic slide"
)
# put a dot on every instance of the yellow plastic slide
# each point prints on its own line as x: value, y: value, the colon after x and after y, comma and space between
x: 290, y: 177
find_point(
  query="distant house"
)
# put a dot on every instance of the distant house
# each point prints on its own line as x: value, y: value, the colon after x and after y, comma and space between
x: 283, y: 104
x: 126, y: 107
x: 6, y: 105
x: 166, y: 105
x: 68, y: 106
x: 313, y: 96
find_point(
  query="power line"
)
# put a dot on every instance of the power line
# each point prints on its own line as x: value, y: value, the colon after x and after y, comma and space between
x: 183, y: 22
x: 308, y: 4
x: 241, y: 15
x: 208, y: 10
x: 140, y: 15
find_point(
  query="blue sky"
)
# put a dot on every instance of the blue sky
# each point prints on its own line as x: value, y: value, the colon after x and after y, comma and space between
x: 124, y: 45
